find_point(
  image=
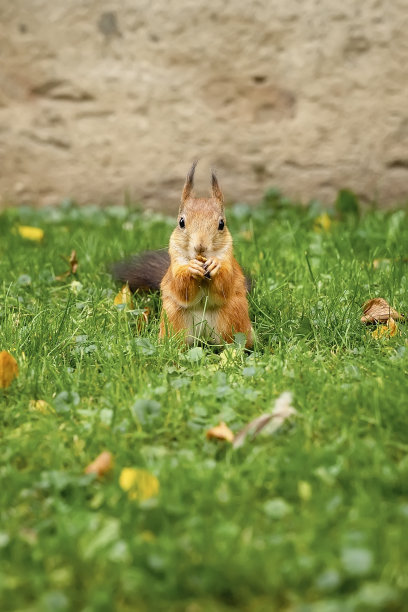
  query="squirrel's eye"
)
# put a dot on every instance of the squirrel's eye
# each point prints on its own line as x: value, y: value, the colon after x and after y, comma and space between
x: 181, y: 222
x: 221, y: 224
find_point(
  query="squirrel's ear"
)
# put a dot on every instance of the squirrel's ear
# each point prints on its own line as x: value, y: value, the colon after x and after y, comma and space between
x: 188, y: 185
x: 216, y: 191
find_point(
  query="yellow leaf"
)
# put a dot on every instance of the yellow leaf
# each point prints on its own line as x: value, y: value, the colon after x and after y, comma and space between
x: 304, y: 490
x: 101, y: 465
x: 386, y: 331
x: 41, y: 406
x: 31, y: 233
x: 220, y: 432
x: 8, y: 369
x: 139, y: 483
x: 147, y: 536
x: 322, y: 222
x: 124, y: 297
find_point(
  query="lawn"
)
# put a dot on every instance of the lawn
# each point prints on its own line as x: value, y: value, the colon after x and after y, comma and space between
x: 313, y: 517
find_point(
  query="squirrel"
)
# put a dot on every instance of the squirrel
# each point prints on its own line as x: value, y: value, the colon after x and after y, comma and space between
x: 202, y: 286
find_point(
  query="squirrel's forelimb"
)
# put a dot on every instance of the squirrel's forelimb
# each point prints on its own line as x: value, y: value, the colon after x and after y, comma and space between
x: 202, y: 285
x: 181, y: 282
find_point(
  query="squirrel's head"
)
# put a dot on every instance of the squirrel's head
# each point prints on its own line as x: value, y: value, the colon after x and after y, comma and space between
x: 201, y: 223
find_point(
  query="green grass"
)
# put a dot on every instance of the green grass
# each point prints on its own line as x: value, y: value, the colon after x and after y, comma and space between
x: 230, y: 529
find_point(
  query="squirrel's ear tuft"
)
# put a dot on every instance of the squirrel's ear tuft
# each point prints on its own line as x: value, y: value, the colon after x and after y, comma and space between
x: 188, y: 185
x: 216, y: 191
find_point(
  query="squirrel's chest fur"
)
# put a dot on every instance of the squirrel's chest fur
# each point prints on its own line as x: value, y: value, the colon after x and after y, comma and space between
x: 214, y: 310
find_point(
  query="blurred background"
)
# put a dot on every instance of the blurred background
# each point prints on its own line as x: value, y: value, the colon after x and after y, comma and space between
x: 107, y: 101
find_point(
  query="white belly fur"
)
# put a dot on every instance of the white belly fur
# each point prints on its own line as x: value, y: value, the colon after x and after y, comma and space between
x: 202, y: 324
x: 201, y: 319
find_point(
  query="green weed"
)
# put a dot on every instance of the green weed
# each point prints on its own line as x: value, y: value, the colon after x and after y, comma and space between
x: 310, y: 519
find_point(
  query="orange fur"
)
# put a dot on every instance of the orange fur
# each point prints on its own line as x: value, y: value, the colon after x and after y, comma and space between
x: 189, y: 298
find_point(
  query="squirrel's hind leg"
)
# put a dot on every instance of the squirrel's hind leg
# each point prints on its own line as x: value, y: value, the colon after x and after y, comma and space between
x: 172, y: 321
x: 234, y: 318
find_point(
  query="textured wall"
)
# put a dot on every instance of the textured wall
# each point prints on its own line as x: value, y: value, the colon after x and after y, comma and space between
x: 102, y: 99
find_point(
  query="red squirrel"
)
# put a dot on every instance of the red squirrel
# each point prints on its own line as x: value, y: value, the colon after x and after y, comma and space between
x: 202, y: 286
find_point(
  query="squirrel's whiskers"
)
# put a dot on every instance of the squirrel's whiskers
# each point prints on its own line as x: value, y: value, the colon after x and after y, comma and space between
x: 202, y: 285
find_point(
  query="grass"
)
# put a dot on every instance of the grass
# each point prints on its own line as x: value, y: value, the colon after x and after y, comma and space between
x: 313, y: 518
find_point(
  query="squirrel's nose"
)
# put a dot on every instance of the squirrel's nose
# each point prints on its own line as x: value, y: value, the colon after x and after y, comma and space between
x: 199, y: 248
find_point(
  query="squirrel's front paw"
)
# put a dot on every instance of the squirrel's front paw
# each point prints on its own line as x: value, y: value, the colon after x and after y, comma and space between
x: 212, y: 266
x: 196, y: 268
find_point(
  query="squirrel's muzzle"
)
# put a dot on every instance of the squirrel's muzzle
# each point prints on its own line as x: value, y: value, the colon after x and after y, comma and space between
x: 199, y: 248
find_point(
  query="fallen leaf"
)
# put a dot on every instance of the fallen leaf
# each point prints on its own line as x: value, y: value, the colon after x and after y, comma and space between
x: 267, y: 423
x: 304, y: 490
x: 380, y: 262
x: 124, y: 298
x: 386, y: 331
x: 233, y: 353
x: 147, y: 536
x: 73, y: 262
x: 41, y: 406
x: 30, y: 536
x: 220, y: 432
x: 101, y: 465
x: 378, y: 310
x: 8, y: 369
x: 140, y: 484
x: 61, y: 277
x: 142, y: 319
x: 73, y: 266
x: 322, y: 222
x: 383, y: 262
x: 31, y: 233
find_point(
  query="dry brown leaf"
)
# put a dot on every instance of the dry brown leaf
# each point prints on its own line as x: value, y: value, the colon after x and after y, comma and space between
x: 73, y: 262
x: 380, y: 262
x: 386, y: 331
x: 101, y: 465
x: 8, y: 369
x: 73, y: 266
x: 142, y: 319
x: 220, y: 432
x: 384, y: 262
x: 378, y: 310
x: 267, y: 423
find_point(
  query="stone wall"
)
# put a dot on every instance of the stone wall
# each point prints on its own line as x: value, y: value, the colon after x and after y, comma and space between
x: 101, y: 100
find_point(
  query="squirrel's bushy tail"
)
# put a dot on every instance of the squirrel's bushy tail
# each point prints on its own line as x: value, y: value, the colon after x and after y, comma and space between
x: 144, y: 271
